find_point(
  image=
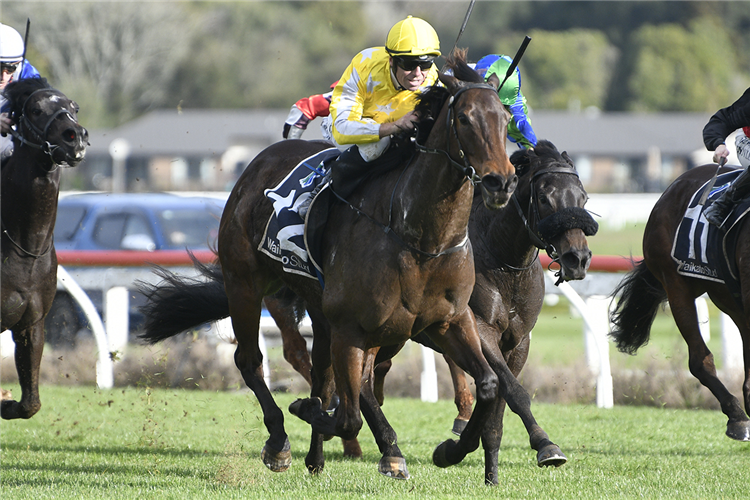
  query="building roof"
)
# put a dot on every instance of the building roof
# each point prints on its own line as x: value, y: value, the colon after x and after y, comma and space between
x: 211, y: 132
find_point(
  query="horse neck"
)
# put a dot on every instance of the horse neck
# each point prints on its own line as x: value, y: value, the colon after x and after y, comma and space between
x: 30, y: 189
x: 434, y: 200
x: 499, y: 237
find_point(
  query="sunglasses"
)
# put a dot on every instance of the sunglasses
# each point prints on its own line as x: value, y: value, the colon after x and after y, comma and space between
x: 410, y: 65
x: 9, y: 67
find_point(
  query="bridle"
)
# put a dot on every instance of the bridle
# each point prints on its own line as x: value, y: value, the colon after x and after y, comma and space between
x: 40, y: 135
x: 541, y: 240
x: 466, y: 169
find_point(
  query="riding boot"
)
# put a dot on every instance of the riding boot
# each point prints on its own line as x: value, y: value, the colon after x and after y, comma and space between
x: 718, y: 211
x: 348, y: 171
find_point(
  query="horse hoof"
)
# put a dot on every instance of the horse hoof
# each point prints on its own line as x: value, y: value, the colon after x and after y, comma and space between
x: 458, y: 426
x: 739, y: 430
x: 440, y: 455
x: 393, y: 467
x: 306, y: 409
x: 550, y: 455
x: 277, y: 461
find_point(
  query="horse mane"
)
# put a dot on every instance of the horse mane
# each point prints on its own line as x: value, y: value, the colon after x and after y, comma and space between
x: 18, y: 91
x: 545, y: 152
x: 430, y: 102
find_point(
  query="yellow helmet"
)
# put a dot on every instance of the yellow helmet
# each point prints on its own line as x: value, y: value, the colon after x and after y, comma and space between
x: 412, y: 37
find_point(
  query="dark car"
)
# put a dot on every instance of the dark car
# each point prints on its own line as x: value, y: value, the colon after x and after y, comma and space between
x: 131, y: 221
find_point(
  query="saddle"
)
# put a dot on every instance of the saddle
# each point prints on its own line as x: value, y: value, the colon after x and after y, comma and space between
x: 703, y: 251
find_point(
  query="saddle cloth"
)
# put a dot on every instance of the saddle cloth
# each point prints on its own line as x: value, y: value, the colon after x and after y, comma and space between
x: 284, y: 237
x: 704, y: 251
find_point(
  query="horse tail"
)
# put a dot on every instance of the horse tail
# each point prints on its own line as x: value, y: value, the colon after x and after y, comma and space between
x: 178, y: 304
x: 642, y: 294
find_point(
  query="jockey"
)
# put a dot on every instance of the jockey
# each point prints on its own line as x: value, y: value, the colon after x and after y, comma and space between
x: 304, y: 111
x: 519, y: 128
x: 13, y: 67
x: 376, y: 96
x: 719, y: 126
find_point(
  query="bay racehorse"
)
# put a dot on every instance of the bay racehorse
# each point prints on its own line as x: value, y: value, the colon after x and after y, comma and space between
x: 657, y: 278
x: 48, y: 136
x: 381, y: 286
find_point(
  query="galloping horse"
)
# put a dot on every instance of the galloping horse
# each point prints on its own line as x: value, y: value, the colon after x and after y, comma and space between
x: 546, y: 213
x: 657, y: 278
x: 381, y: 286
x: 48, y: 137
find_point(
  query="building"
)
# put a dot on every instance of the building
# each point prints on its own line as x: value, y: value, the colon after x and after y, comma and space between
x: 208, y: 149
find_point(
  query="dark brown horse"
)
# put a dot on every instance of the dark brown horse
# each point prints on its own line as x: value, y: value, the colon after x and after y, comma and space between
x: 655, y: 280
x: 546, y: 213
x: 381, y: 287
x: 48, y: 137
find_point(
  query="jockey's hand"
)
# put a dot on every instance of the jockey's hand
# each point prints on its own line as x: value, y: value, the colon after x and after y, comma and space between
x: 721, y: 152
x: 5, y: 124
x: 404, y: 124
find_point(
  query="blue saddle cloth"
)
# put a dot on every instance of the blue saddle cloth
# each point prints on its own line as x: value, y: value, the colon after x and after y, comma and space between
x: 704, y: 251
x: 284, y: 237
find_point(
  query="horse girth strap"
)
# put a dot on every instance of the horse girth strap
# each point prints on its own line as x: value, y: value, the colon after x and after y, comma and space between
x: 466, y: 169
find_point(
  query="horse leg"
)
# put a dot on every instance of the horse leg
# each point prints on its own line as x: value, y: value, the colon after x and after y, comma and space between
x: 392, y: 463
x: 700, y: 358
x: 493, y: 432
x: 293, y: 344
x: 462, y: 396
x: 381, y: 370
x: 460, y: 341
x: 320, y: 392
x: 28, y: 356
x: 245, y: 310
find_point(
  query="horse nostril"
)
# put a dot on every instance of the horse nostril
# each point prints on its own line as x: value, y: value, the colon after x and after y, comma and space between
x: 69, y: 135
x: 493, y: 182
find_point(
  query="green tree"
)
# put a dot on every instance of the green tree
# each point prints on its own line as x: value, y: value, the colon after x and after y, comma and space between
x: 567, y: 69
x: 681, y: 69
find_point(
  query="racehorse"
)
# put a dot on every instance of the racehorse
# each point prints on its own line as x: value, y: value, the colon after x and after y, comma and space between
x: 383, y: 284
x: 656, y: 279
x: 48, y: 137
x: 546, y: 212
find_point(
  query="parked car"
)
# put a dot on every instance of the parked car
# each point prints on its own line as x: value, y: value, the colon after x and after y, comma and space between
x: 131, y: 221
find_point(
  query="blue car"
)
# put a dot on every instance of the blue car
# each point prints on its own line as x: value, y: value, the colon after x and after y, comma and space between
x: 130, y: 221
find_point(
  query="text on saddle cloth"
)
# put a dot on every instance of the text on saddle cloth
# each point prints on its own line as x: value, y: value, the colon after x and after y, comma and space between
x: 283, y: 239
x: 702, y: 250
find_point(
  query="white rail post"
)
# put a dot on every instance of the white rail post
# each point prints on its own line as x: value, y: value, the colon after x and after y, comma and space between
x: 429, y: 382
x: 117, y: 318
x: 731, y: 344
x: 105, y: 376
x: 701, y: 307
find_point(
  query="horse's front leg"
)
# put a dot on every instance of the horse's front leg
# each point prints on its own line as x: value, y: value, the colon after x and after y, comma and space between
x: 28, y: 356
x: 462, y: 396
x: 460, y: 341
x: 548, y: 453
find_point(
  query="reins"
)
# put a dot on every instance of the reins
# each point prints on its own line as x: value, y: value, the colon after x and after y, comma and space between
x: 467, y: 171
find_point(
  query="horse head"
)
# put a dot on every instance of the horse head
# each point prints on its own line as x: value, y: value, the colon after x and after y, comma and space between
x: 46, y: 120
x: 553, y: 197
x: 477, y: 125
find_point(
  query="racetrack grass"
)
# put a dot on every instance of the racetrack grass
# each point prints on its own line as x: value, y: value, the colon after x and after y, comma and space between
x: 162, y: 443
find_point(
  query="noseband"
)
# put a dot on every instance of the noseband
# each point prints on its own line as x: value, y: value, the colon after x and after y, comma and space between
x: 552, y: 225
x: 41, y: 134
x: 466, y: 169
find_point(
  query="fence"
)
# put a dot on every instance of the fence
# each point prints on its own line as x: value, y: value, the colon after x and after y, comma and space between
x: 114, y: 272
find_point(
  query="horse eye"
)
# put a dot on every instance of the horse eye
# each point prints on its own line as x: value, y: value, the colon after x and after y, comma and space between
x: 76, y: 107
x: 462, y: 119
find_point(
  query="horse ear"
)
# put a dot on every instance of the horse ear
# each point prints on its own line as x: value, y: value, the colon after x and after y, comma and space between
x: 494, y: 80
x: 568, y: 159
x: 452, y: 83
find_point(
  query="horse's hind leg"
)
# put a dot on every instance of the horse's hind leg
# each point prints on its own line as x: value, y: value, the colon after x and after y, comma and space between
x: 245, y: 310
x: 700, y: 358
x: 462, y: 396
x: 293, y: 344
x: 28, y: 356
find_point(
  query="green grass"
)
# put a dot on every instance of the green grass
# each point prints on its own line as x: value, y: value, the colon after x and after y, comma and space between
x: 624, y: 242
x: 144, y: 443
